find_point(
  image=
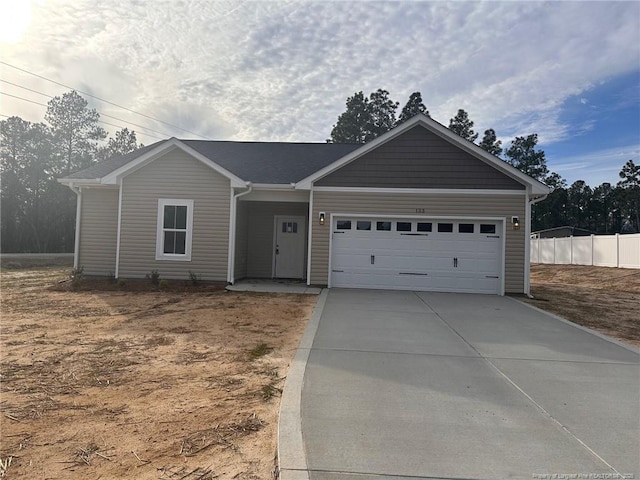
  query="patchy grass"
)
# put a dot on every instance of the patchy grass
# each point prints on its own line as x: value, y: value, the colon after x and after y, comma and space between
x: 259, y: 350
x: 103, y: 383
x: 601, y: 298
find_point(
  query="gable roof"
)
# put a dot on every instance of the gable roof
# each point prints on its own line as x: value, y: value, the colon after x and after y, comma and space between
x: 111, y: 164
x: 278, y: 163
x: 256, y: 162
x: 536, y: 188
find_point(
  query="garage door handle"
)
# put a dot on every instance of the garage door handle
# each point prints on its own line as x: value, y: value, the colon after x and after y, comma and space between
x: 337, y: 271
x: 373, y: 259
x: 491, y: 276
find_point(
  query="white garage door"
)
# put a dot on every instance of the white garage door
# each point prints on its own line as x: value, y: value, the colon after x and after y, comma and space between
x: 417, y: 254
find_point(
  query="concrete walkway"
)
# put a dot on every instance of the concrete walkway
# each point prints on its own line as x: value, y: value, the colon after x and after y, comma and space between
x: 273, y: 286
x: 427, y: 385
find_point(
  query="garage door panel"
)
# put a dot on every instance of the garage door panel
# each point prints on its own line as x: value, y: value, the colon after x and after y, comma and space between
x: 416, y: 282
x: 451, y: 261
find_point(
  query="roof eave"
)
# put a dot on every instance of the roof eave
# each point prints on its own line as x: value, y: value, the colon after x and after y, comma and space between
x: 146, y: 158
x: 79, y: 181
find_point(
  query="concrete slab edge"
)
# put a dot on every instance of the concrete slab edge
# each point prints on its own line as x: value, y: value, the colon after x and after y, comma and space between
x: 609, y: 339
x: 274, y: 289
x: 292, y: 459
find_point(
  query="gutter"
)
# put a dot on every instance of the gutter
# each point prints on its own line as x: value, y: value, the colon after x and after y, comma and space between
x: 232, y: 231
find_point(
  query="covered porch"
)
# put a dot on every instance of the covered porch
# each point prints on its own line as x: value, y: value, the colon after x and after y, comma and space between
x: 271, y: 236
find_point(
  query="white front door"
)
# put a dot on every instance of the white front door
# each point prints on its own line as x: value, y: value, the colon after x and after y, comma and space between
x: 289, y: 246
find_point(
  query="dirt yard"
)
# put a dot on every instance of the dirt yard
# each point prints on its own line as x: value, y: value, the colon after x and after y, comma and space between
x: 102, y: 383
x: 604, y: 299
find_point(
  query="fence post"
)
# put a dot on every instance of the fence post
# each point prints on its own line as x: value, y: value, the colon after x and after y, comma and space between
x: 554, y: 251
x: 617, y: 250
x: 592, y: 237
x: 571, y: 250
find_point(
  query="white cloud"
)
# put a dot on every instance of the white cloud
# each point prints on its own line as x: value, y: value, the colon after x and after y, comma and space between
x: 282, y: 70
x: 595, y: 167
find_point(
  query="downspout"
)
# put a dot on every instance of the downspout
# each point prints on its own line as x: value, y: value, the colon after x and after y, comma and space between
x: 527, y: 266
x: 76, y: 243
x: 117, y: 266
x: 231, y: 262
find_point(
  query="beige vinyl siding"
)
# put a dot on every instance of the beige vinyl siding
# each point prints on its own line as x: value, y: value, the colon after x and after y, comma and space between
x: 260, y: 232
x: 242, y: 240
x: 382, y: 204
x: 419, y: 159
x: 98, y: 231
x: 175, y: 175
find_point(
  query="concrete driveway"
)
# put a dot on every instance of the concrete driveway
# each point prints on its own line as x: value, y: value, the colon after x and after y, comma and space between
x: 429, y: 385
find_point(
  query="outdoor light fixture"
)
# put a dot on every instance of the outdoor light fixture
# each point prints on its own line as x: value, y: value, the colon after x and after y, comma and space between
x: 321, y: 218
x: 516, y: 223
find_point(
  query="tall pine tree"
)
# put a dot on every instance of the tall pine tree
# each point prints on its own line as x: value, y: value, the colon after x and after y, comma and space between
x: 413, y: 107
x: 522, y: 154
x: 463, y: 126
x: 490, y: 143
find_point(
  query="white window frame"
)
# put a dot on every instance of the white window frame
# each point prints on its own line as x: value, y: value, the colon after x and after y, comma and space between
x: 180, y: 257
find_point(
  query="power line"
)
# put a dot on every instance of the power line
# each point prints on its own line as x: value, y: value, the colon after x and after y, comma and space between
x: 141, y: 133
x: 25, y: 88
x: 99, y: 121
x: 25, y: 99
x: 103, y: 100
x: 102, y: 114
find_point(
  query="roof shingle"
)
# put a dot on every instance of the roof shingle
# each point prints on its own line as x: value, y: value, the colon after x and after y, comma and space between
x: 257, y: 162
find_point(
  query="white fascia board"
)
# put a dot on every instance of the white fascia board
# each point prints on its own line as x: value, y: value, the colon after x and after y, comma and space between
x: 273, y: 186
x: 537, y: 187
x: 96, y: 186
x: 277, y: 195
x: 161, y: 149
x: 79, y: 182
x: 421, y: 191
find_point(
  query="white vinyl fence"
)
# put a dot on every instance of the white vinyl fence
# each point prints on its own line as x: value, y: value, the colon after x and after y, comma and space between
x: 599, y: 250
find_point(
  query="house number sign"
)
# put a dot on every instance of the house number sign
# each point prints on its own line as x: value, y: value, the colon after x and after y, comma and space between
x: 419, y: 210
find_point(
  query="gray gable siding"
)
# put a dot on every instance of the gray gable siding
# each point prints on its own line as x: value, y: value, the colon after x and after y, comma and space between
x: 175, y: 175
x: 419, y: 159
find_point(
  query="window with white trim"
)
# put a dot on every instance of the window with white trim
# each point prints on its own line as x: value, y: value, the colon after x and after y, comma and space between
x: 175, y: 229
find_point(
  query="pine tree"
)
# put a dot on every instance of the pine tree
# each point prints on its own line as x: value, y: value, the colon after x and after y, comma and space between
x: 413, y: 107
x: 490, y: 143
x: 463, y: 126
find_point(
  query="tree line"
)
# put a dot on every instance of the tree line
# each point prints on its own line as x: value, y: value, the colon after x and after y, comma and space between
x: 605, y: 209
x: 37, y: 214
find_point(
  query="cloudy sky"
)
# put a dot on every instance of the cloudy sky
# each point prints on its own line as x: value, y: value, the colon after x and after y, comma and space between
x: 282, y: 70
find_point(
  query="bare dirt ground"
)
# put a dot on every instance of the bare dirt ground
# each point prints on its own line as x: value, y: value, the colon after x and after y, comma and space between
x: 102, y: 383
x: 601, y: 298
